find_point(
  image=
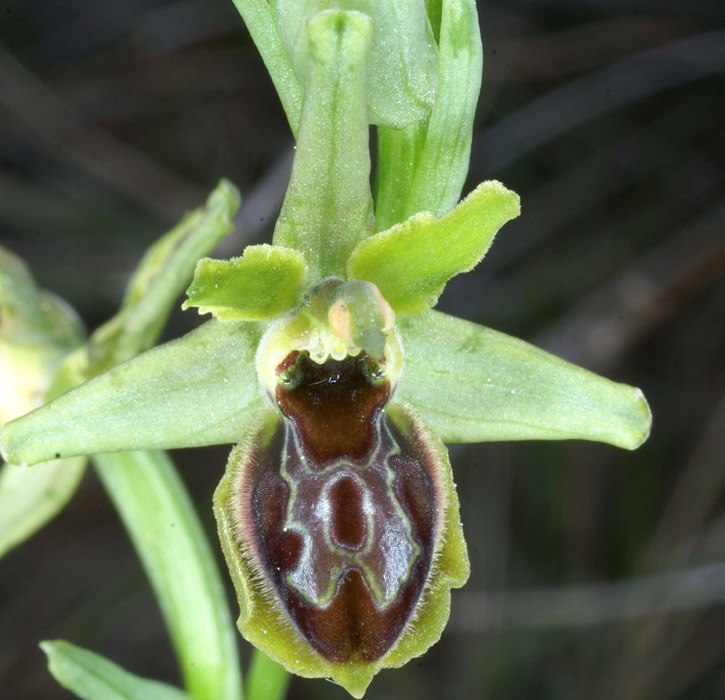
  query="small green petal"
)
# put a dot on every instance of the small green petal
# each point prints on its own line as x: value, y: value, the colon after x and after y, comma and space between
x: 201, y: 389
x: 265, y: 282
x: 93, y: 677
x: 403, y: 66
x: 473, y: 384
x: 328, y: 208
x: 411, y: 262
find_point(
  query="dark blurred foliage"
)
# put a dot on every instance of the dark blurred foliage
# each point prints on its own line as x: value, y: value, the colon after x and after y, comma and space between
x: 597, y: 573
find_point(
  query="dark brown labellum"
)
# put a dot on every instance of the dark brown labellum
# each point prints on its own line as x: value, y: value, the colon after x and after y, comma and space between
x: 342, y: 507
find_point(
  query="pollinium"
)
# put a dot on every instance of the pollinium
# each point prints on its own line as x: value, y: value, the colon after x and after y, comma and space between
x: 338, y: 514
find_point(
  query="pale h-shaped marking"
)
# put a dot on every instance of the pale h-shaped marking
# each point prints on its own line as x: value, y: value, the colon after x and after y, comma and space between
x: 388, y: 552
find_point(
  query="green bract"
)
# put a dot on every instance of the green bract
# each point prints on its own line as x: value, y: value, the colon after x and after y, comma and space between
x: 338, y: 514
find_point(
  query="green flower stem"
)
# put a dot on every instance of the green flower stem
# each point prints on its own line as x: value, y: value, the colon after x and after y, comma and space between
x: 170, y: 542
x: 259, y: 16
x: 266, y: 679
x: 92, y: 677
x: 328, y: 208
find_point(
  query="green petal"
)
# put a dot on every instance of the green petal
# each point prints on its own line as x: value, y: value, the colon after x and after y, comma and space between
x: 328, y: 207
x: 259, y: 16
x: 93, y: 677
x: 403, y: 66
x: 265, y: 282
x: 442, y: 163
x: 473, y: 384
x: 170, y: 542
x: 201, y: 389
x: 411, y: 262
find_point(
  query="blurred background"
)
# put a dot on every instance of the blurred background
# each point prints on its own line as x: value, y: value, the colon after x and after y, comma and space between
x: 596, y: 573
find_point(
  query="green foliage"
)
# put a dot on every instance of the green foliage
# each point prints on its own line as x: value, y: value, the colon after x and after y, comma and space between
x: 92, y: 677
x: 170, y: 542
x: 327, y: 287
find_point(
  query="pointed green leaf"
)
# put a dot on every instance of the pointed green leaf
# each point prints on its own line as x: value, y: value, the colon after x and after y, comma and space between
x: 403, y: 66
x: 442, y: 163
x: 93, y: 677
x: 265, y: 282
x: 259, y: 16
x: 164, y: 272
x: 201, y: 389
x: 474, y: 384
x: 328, y: 208
x: 411, y: 262
x: 170, y: 541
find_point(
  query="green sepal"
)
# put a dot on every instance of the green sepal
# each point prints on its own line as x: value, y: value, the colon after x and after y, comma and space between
x: 262, y: 619
x: 474, y: 384
x: 93, y: 677
x: 411, y: 262
x: 265, y: 282
x: 259, y: 16
x: 328, y: 208
x: 403, y: 67
x: 201, y: 389
x: 171, y: 544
